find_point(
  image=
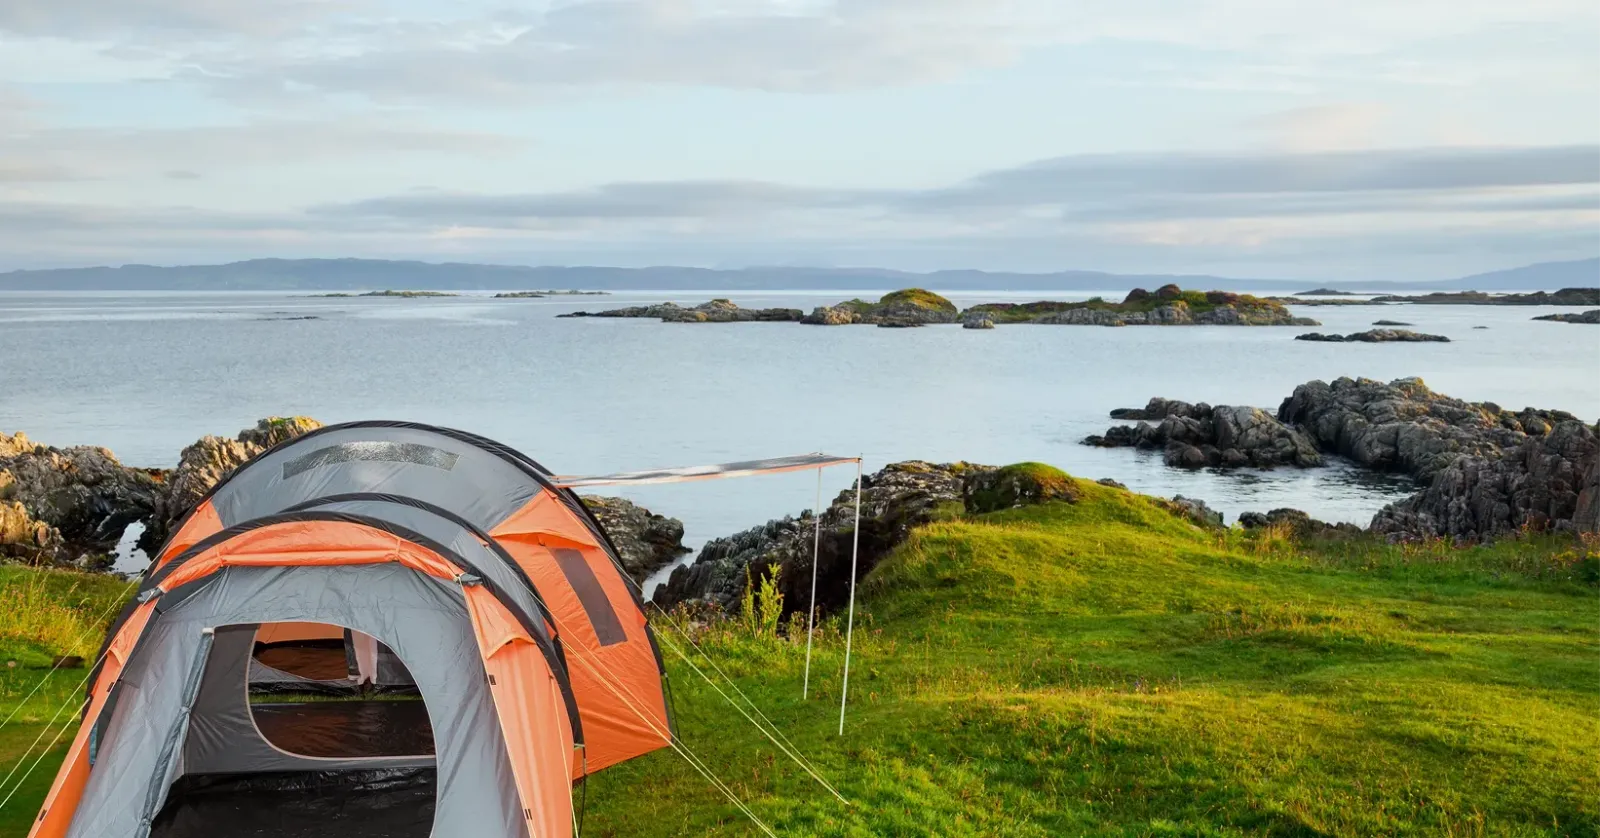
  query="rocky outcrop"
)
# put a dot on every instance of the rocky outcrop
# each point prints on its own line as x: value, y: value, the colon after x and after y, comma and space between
x: 1198, y: 435
x: 1324, y: 292
x: 1404, y: 427
x: 69, y: 505
x: 1196, y: 510
x: 1537, y: 486
x: 1168, y: 305
x: 1390, y: 323
x: 645, y: 541
x: 1376, y: 336
x: 209, y: 460
x: 1564, y: 297
x: 1299, y: 525
x: 715, y: 311
x: 907, y: 307
x: 893, y: 501
x: 976, y: 322
x: 1586, y: 317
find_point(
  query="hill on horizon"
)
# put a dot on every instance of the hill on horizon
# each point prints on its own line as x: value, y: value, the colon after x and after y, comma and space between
x: 376, y: 274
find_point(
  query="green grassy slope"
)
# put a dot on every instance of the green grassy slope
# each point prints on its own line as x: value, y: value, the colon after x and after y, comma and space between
x: 44, y: 614
x: 1106, y: 668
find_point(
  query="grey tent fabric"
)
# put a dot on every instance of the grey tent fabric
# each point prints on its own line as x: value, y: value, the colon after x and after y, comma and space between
x: 482, y: 485
x: 423, y: 619
x: 223, y: 734
x: 501, y: 572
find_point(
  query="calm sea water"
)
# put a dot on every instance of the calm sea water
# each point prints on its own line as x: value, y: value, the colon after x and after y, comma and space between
x: 147, y: 374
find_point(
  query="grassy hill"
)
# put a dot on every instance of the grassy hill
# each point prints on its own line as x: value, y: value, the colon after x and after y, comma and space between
x: 1105, y: 667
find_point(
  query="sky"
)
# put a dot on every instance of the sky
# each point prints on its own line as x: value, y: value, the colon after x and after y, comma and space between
x: 1367, y: 139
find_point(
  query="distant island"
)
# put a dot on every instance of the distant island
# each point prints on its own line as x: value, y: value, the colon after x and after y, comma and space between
x: 355, y: 275
x: 1324, y: 292
x: 532, y: 295
x: 1592, y: 316
x: 1564, y: 297
x: 405, y: 294
x: 1168, y: 305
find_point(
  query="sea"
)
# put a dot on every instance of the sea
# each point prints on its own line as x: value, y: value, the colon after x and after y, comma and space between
x: 146, y: 374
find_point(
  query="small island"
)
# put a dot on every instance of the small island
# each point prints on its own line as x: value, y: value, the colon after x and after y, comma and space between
x: 404, y: 294
x: 1375, y: 336
x: 1168, y: 305
x: 1324, y: 292
x: 1592, y: 317
x: 533, y: 295
x: 913, y: 307
x: 1564, y: 297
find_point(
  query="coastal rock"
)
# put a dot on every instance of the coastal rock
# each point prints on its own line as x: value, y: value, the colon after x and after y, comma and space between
x: 1535, y: 487
x: 893, y: 501
x: 645, y: 541
x: 1299, y: 524
x: 1199, y: 435
x: 24, y: 539
x: 976, y: 322
x: 205, y: 463
x: 832, y: 316
x: 714, y: 311
x: 1405, y: 427
x: 1015, y: 486
x: 83, y: 498
x: 1586, y: 317
x: 1195, y: 510
x: 1390, y: 323
x: 1376, y: 336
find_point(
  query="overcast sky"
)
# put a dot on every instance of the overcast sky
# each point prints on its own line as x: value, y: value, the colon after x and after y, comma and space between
x: 1282, y: 138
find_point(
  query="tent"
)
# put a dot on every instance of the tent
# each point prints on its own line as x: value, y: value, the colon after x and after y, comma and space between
x: 405, y: 556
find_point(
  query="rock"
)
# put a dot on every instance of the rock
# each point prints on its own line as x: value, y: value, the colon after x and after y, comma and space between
x: 832, y: 316
x: 976, y: 321
x: 1195, y: 510
x: 66, y: 505
x: 1299, y: 524
x: 25, y: 539
x: 1106, y: 481
x: 1376, y: 336
x: 1403, y: 426
x: 1537, y: 486
x: 894, y: 501
x: 1197, y: 436
x: 209, y: 460
x: 645, y: 541
x: 906, y: 308
x: 1389, y: 323
x: 1586, y: 317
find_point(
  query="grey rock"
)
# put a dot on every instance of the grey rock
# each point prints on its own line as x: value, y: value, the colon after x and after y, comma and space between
x: 645, y: 541
x: 894, y: 501
x: 1199, y: 435
x: 69, y: 505
x: 1195, y: 510
x: 1375, y: 336
x: 1591, y: 317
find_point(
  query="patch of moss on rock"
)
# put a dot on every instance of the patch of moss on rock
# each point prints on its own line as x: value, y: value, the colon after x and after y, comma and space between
x: 1021, y: 484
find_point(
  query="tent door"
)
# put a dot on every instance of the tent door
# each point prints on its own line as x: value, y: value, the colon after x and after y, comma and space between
x: 171, y: 749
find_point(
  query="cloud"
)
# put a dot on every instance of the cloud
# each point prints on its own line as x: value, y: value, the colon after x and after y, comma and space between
x: 96, y: 18
x: 111, y: 152
x: 1339, y: 126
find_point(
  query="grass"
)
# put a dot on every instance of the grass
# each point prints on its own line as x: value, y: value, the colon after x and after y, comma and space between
x: 917, y: 297
x: 1106, y: 668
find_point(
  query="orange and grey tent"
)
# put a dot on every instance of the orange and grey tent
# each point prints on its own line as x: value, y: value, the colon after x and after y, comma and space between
x: 464, y: 559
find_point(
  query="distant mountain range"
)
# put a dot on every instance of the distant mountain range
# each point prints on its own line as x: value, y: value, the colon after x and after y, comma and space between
x: 377, y: 274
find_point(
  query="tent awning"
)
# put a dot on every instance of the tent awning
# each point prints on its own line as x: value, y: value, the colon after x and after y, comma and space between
x: 711, y: 472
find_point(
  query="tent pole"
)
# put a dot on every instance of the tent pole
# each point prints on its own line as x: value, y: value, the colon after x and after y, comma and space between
x: 850, y: 622
x: 811, y: 612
